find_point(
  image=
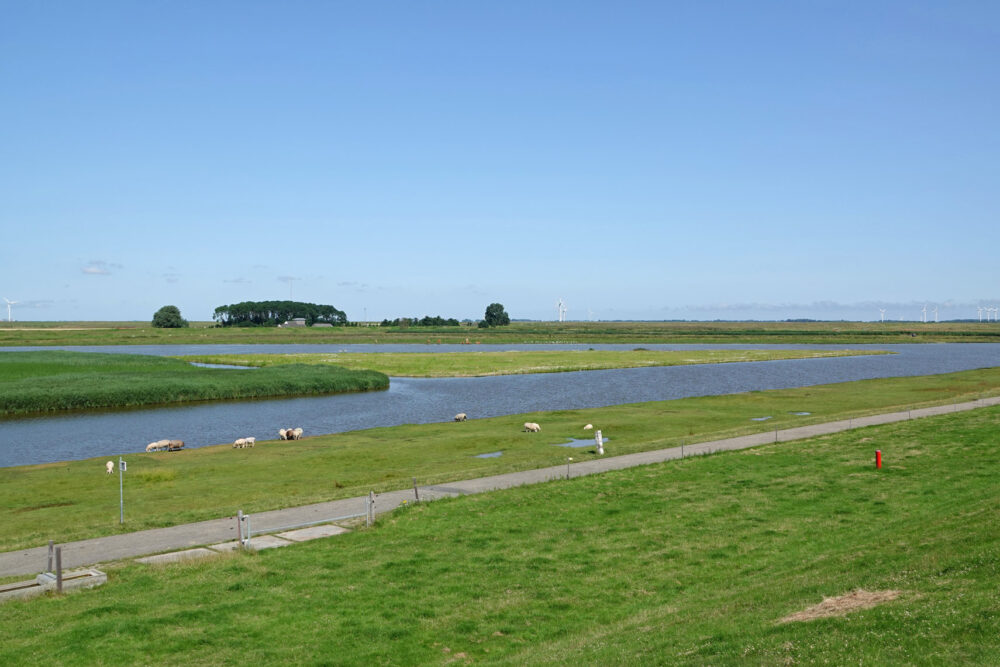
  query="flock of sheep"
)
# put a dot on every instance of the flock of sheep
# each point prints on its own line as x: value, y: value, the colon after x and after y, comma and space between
x: 529, y: 427
x: 165, y: 445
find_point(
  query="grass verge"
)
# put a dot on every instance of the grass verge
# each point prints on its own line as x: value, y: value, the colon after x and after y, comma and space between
x: 34, y: 382
x: 690, y: 562
x: 75, y: 500
x: 515, y: 362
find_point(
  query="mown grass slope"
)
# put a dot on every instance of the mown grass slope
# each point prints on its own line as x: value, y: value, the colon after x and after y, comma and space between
x: 690, y: 562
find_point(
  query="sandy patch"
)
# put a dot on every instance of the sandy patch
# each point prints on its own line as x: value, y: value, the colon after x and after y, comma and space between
x: 842, y: 605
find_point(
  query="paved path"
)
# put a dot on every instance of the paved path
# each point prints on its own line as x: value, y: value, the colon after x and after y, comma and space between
x: 142, y: 543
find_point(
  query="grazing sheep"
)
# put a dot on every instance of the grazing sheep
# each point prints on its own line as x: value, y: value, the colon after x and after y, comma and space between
x: 588, y: 427
x: 461, y: 417
x: 532, y: 427
x: 110, y: 466
x: 251, y: 441
x: 297, y: 434
x: 239, y: 442
x: 174, y: 445
x: 283, y: 433
x: 157, y: 446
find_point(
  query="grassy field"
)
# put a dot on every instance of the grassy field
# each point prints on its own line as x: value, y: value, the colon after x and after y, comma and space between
x: 36, y: 382
x: 691, y: 562
x: 477, y: 364
x: 141, y: 333
x: 75, y: 500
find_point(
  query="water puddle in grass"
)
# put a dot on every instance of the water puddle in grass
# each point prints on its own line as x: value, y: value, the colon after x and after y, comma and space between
x: 576, y: 442
x: 201, y: 365
x: 760, y: 419
x: 491, y: 455
x: 801, y: 414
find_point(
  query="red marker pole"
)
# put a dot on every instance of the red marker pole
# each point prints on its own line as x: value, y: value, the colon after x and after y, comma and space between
x: 878, y: 458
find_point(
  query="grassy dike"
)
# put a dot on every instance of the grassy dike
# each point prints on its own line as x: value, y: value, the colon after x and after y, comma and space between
x: 75, y: 500
x: 36, y: 382
x: 515, y: 362
x: 635, y: 333
x: 690, y: 562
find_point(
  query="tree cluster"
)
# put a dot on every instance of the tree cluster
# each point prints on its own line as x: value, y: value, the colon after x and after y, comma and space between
x: 273, y: 313
x: 495, y: 316
x: 425, y: 321
x: 169, y: 317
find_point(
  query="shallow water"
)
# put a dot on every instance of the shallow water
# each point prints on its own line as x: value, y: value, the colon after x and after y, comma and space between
x: 417, y: 400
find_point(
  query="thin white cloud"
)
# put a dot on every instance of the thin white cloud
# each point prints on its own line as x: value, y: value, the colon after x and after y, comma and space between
x: 99, y: 267
x: 238, y: 281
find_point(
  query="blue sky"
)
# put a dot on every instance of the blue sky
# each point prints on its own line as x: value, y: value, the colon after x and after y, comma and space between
x: 660, y: 160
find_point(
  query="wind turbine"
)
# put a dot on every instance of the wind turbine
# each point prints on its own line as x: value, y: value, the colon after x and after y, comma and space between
x: 9, y: 304
x: 935, y: 314
x: 561, y: 309
x: 924, y: 311
x: 882, y: 313
x: 979, y: 309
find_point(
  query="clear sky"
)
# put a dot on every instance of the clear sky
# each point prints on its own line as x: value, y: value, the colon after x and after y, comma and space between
x: 640, y: 160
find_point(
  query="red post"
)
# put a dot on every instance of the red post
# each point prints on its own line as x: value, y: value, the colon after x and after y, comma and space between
x: 878, y: 458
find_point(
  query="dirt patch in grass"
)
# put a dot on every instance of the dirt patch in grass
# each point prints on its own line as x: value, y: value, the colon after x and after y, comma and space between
x: 842, y: 605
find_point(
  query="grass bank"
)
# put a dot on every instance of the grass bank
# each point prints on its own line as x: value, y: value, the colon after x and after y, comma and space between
x: 476, y: 364
x: 75, y: 500
x: 637, y: 333
x: 690, y: 562
x: 37, y: 382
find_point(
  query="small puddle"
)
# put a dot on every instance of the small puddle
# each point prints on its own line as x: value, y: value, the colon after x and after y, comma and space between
x: 576, y: 442
x: 491, y: 455
x: 760, y: 419
x: 201, y: 365
x: 801, y: 414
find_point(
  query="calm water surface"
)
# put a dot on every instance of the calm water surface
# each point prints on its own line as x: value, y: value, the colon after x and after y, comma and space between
x: 412, y: 400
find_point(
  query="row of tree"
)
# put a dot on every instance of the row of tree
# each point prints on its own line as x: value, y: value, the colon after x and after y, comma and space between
x: 273, y: 313
x: 425, y: 321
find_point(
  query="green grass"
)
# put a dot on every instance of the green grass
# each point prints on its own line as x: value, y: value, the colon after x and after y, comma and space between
x: 689, y: 562
x: 514, y: 362
x: 141, y: 333
x: 36, y: 382
x: 75, y: 500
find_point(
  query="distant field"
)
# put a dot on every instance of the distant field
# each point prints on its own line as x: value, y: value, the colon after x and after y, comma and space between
x: 691, y: 562
x: 75, y: 500
x: 141, y: 333
x: 36, y: 382
x: 477, y: 364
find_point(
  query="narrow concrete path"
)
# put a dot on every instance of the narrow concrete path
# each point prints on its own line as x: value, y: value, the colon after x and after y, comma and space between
x: 146, y: 542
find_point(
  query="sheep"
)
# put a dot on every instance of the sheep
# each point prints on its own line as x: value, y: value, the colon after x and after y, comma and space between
x: 283, y: 433
x: 174, y: 445
x: 251, y: 441
x: 588, y: 427
x: 532, y: 427
x: 239, y: 442
x: 298, y: 434
x: 461, y: 417
x: 110, y: 467
x: 157, y: 446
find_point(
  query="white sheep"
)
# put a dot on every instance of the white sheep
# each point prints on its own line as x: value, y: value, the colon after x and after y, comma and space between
x: 174, y: 445
x: 250, y: 441
x: 588, y: 427
x: 158, y: 446
x: 110, y: 467
x: 461, y: 417
x: 283, y: 433
x: 298, y: 434
x: 239, y: 442
x: 532, y: 427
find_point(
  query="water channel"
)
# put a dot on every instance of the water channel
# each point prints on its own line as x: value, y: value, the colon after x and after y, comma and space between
x: 31, y: 440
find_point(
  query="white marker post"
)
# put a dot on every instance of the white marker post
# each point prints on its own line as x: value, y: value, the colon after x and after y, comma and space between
x: 121, y: 489
x: 600, y: 443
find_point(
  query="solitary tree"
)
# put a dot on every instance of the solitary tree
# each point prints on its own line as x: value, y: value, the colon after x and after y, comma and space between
x: 169, y: 317
x: 496, y: 316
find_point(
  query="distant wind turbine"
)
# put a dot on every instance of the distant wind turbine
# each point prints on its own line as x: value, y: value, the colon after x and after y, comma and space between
x: 935, y: 314
x: 882, y: 313
x: 9, y: 304
x: 979, y: 309
x: 561, y: 309
x: 924, y: 311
